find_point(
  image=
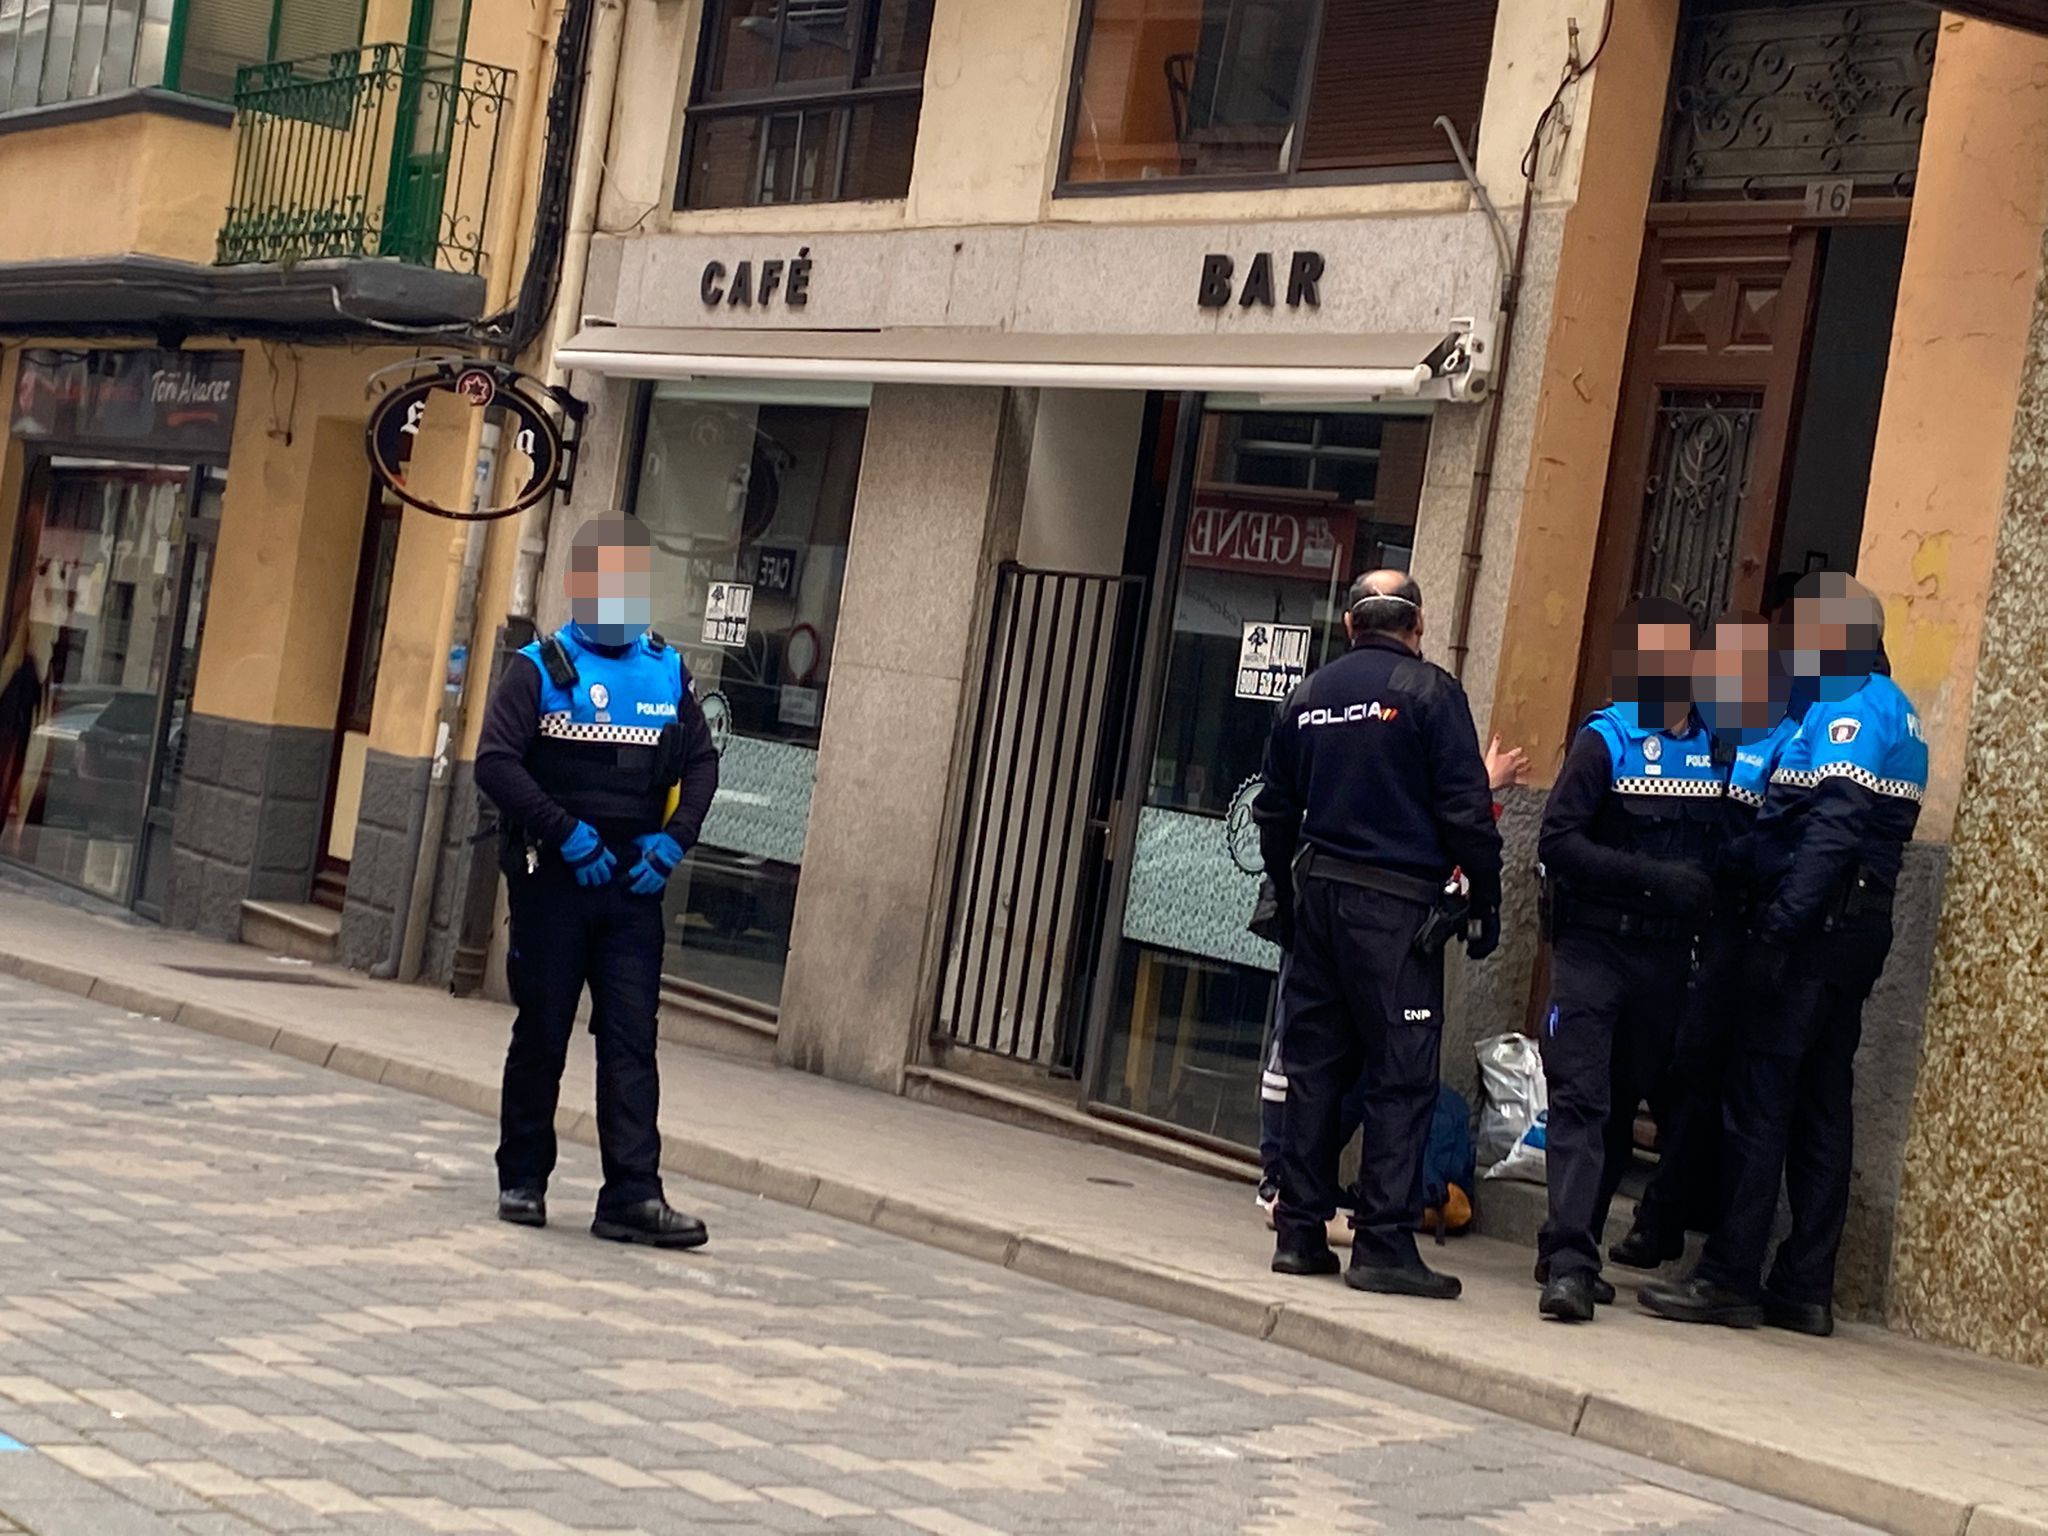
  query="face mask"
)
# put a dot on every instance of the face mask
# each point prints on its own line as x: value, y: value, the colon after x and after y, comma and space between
x: 615, y: 620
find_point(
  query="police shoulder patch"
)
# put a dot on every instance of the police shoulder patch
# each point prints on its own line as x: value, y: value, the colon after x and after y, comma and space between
x: 1845, y: 730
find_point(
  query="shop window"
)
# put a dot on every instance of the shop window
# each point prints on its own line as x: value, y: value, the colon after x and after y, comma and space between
x: 70, y: 50
x: 805, y: 101
x: 1267, y: 91
x: 750, y: 504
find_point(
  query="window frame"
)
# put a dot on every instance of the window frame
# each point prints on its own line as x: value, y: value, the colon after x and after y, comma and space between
x: 1446, y: 169
x: 798, y: 97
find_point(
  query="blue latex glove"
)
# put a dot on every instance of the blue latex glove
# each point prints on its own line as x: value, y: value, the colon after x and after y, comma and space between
x: 588, y: 859
x: 659, y: 856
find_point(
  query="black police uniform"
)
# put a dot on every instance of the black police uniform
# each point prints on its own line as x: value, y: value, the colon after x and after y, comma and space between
x: 1826, y: 853
x: 1373, y: 773
x: 1627, y: 835
x: 584, y: 733
x: 1684, y: 1194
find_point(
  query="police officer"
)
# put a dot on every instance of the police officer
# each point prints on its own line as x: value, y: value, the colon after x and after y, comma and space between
x: 1627, y: 835
x: 587, y: 734
x: 1743, y: 702
x: 1373, y: 775
x: 1825, y: 859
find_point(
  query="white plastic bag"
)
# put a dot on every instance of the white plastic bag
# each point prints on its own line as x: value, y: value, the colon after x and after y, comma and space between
x: 1511, y: 1075
x: 1526, y: 1159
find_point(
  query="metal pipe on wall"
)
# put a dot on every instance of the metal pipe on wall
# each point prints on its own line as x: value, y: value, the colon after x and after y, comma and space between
x: 585, y: 181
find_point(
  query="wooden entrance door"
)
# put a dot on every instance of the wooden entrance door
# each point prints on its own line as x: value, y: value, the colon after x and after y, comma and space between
x: 1710, y: 395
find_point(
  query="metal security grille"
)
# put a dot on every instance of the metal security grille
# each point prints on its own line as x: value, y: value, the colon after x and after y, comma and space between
x: 1768, y: 98
x: 1045, y: 759
x: 1693, y: 500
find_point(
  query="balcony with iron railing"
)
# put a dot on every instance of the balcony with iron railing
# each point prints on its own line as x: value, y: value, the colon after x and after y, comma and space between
x: 383, y: 153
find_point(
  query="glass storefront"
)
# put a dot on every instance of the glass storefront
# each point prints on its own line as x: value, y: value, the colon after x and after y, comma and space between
x: 750, y: 503
x: 1286, y: 508
x: 109, y: 598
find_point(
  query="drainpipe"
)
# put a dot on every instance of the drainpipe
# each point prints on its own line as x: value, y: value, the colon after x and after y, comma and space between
x: 1575, y: 70
x: 593, y: 135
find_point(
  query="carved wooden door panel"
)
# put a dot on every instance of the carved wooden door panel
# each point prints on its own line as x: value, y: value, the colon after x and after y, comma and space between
x: 1710, y: 395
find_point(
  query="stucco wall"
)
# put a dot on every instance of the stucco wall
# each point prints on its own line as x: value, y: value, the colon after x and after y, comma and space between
x: 141, y: 182
x: 1937, y: 480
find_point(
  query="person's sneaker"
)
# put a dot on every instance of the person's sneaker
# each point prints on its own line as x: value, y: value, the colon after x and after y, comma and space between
x: 1306, y: 1261
x: 523, y: 1207
x: 1403, y: 1280
x: 1569, y: 1297
x: 1698, y: 1300
x: 1268, y: 1201
x: 1816, y: 1319
x: 653, y: 1222
x: 1603, y: 1288
x: 1645, y: 1250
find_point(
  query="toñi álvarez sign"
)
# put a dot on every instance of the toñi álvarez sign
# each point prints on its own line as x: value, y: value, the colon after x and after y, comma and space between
x: 1231, y: 530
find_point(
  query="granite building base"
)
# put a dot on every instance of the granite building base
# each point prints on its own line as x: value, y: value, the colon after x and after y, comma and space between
x: 247, y: 822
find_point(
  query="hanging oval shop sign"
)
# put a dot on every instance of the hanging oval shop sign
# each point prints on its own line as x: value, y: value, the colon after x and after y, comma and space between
x: 540, y: 456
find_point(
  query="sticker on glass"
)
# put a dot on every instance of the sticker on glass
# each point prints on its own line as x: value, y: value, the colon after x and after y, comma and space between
x: 1271, y: 659
x: 726, y: 610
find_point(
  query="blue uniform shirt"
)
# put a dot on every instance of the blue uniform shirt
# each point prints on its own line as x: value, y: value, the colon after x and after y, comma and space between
x: 1632, y: 800
x: 1842, y: 805
x: 1749, y: 776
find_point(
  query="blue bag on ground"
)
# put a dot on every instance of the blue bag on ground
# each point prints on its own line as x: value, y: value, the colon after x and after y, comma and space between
x: 1449, y: 1162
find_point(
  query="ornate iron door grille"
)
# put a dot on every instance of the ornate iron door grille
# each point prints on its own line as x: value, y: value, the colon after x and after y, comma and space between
x: 1767, y: 99
x: 1693, y: 499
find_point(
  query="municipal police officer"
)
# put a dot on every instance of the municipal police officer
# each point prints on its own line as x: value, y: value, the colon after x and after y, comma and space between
x: 1825, y: 860
x: 1743, y: 702
x: 1373, y: 776
x: 1627, y: 835
x: 587, y: 734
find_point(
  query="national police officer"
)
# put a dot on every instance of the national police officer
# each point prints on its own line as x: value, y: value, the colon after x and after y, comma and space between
x: 1743, y: 702
x: 1374, y: 776
x: 1825, y: 860
x: 1628, y: 833
x: 587, y: 735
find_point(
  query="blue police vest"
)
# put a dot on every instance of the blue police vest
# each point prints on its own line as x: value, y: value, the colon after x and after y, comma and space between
x: 1749, y: 777
x: 1871, y: 739
x: 1666, y: 790
x: 599, y: 746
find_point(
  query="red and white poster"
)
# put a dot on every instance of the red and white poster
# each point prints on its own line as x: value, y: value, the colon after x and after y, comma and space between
x: 1232, y: 530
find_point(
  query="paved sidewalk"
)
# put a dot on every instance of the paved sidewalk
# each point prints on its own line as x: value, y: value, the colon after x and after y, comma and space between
x: 240, y: 1295
x: 1905, y: 1436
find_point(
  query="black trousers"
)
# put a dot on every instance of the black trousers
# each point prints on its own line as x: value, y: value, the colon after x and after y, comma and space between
x: 1790, y: 1118
x: 1358, y: 999
x: 1607, y: 1039
x: 565, y: 938
x: 1685, y: 1193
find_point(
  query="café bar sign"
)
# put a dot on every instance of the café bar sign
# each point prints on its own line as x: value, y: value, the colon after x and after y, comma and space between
x: 1268, y: 536
x: 136, y: 397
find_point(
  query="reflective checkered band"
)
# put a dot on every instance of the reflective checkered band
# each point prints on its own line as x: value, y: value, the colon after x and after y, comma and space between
x: 560, y: 727
x: 1810, y: 778
x: 1683, y: 789
x: 1743, y: 796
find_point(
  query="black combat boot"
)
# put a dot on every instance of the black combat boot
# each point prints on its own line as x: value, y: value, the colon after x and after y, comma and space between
x: 1699, y: 1300
x: 1603, y: 1288
x: 1306, y: 1261
x: 523, y: 1207
x: 1569, y: 1297
x: 653, y: 1222
x: 1645, y: 1250
x: 1813, y: 1318
x: 1416, y: 1279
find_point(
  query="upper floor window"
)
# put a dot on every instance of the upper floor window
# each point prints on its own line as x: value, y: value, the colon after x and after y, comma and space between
x: 1264, y: 91
x: 804, y: 101
x: 70, y: 50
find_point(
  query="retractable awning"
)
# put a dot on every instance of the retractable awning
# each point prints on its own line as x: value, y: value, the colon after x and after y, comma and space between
x: 1452, y: 364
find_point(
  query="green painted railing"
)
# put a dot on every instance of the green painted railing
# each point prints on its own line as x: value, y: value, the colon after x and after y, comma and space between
x: 384, y: 151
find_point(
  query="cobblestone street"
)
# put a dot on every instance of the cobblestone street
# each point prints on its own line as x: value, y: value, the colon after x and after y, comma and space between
x: 239, y: 1294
